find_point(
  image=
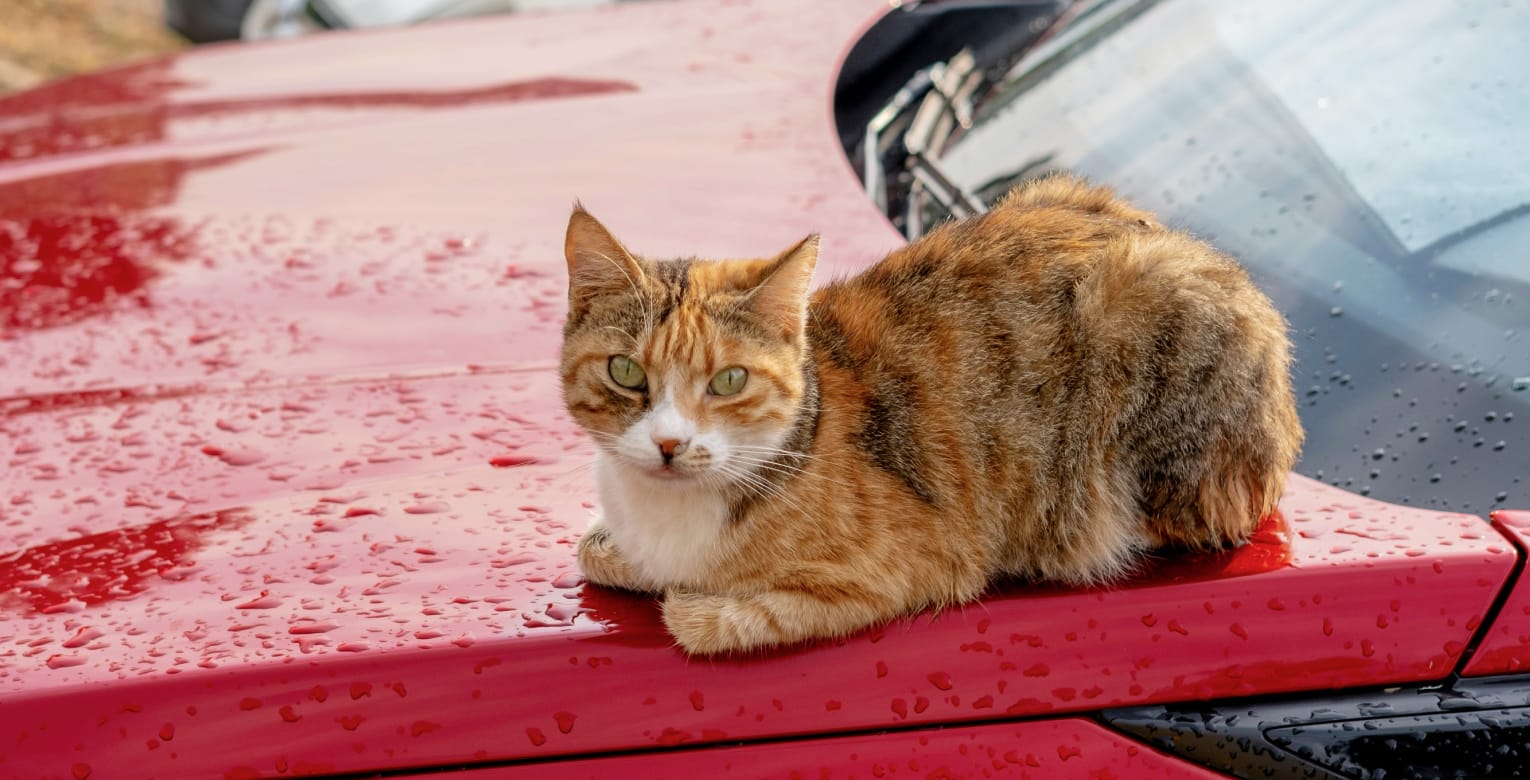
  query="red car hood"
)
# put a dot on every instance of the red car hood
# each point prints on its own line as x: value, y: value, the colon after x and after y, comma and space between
x: 288, y: 487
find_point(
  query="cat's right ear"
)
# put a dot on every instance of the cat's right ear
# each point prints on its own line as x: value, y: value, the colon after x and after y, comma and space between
x: 598, y: 264
x: 782, y: 296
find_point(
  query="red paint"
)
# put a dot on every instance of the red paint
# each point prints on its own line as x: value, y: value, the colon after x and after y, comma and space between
x: 69, y: 575
x: 276, y: 419
x: 60, y: 269
x: 1505, y: 646
x: 145, y: 102
x: 1061, y: 749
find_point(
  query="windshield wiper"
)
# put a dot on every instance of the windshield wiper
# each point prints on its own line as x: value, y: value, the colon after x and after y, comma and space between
x: 874, y: 177
x: 941, y: 97
x: 900, y: 149
x: 947, y: 106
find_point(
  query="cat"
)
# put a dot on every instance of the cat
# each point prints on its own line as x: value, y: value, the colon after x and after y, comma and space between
x: 1046, y: 391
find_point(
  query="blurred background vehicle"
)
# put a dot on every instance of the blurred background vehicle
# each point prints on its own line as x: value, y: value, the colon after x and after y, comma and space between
x: 42, y: 40
x: 218, y: 20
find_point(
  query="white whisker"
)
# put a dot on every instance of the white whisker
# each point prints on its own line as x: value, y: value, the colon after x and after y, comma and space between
x: 774, y: 451
x: 776, y: 466
x: 763, y: 487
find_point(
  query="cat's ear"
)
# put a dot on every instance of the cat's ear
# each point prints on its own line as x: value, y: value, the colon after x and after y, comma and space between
x: 781, y: 296
x: 598, y: 264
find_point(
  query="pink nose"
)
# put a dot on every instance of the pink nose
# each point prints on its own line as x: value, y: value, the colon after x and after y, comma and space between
x: 670, y: 448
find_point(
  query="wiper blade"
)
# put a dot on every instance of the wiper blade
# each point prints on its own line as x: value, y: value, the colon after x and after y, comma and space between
x: 947, y: 106
x: 939, y: 185
x: 899, y: 150
x: 875, y: 178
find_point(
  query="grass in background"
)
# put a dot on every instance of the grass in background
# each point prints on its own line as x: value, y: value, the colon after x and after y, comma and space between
x: 42, y: 40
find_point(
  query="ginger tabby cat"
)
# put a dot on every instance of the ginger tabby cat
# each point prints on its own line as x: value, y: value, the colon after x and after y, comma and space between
x: 1046, y: 391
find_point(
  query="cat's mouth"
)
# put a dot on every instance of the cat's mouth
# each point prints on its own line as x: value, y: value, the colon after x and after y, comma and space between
x: 667, y: 472
x: 672, y: 472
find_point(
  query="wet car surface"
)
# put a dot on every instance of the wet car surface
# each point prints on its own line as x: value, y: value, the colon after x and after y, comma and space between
x: 288, y: 487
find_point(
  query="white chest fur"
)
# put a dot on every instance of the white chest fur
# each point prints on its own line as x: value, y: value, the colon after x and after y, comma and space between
x: 671, y: 532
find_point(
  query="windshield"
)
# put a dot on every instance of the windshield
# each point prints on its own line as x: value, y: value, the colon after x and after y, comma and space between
x: 1366, y: 161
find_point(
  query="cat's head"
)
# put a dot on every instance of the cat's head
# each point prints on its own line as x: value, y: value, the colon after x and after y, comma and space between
x: 687, y: 371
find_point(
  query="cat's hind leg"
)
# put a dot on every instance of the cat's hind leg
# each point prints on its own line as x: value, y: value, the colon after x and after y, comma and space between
x: 1221, y: 511
x: 1082, y: 527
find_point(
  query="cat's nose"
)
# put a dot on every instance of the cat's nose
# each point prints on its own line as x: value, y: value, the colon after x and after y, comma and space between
x: 670, y: 448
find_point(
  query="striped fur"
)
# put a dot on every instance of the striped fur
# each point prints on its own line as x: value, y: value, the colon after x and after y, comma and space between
x: 1045, y: 392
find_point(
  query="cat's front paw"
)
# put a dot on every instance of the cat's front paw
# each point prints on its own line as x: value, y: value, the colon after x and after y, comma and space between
x: 602, y: 563
x: 706, y: 624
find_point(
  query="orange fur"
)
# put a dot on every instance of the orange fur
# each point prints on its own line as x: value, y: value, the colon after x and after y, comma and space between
x: 1045, y: 391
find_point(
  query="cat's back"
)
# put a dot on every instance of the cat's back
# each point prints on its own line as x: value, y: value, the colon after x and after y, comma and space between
x: 1037, y: 241
x: 1060, y: 346
x: 1020, y: 265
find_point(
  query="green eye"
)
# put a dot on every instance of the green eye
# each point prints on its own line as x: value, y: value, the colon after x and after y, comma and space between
x: 728, y: 381
x: 626, y: 372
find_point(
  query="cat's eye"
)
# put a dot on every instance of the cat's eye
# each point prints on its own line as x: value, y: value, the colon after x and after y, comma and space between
x: 626, y: 372
x: 728, y: 381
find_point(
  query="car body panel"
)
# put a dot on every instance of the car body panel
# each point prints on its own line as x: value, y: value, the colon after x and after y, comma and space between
x: 1063, y: 748
x: 289, y: 489
x: 443, y: 625
x: 1505, y: 648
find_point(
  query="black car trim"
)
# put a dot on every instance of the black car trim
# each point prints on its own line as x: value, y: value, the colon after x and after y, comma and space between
x: 1477, y: 727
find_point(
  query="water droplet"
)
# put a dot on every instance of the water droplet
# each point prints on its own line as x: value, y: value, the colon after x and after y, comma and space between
x: 234, y: 456
x: 83, y: 636
x: 508, y: 461
x: 311, y: 627
x: 264, y: 601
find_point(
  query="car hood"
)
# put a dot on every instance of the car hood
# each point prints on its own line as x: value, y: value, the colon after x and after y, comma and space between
x: 288, y: 487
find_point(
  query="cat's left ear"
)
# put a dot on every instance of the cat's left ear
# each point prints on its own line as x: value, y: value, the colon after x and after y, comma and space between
x: 598, y: 264
x: 781, y: 297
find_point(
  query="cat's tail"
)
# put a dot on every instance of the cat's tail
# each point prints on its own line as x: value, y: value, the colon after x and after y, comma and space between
x: 1061, y: 190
